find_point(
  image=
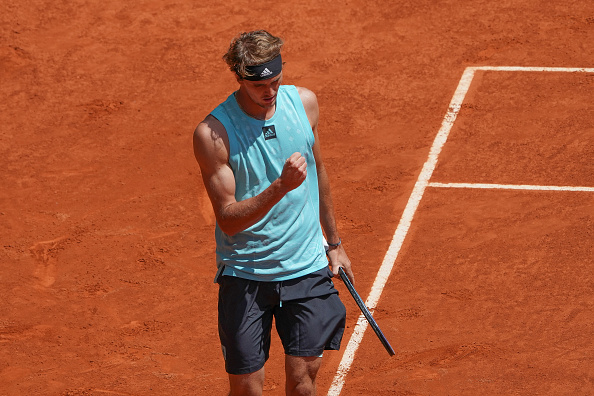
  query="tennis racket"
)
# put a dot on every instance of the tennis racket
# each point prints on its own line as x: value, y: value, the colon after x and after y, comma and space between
x: 366, y: 312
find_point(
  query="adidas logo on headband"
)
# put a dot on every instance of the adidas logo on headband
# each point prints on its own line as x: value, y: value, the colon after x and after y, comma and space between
x: 265, y: 72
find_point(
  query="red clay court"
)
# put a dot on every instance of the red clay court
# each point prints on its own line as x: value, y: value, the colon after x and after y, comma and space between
x: 459, y: 138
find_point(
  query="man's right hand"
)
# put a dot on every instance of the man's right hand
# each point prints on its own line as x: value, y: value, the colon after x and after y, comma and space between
x: 294, y: 172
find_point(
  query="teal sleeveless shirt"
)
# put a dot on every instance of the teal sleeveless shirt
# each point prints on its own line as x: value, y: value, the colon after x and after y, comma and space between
x: 287, y: 242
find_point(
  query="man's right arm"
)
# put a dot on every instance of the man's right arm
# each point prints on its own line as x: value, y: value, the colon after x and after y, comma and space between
x: 211, y: 148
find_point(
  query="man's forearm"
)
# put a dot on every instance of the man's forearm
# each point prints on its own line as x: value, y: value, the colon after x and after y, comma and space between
x: 238, y: 216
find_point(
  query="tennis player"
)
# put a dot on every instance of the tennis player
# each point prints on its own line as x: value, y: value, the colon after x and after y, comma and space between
x: 259, y: 156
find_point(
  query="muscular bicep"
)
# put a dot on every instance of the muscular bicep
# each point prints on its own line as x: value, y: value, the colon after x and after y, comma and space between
x: 212, y: 153
x: 220, y: 186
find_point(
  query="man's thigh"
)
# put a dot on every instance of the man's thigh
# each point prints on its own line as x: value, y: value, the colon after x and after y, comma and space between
x: 308, y: 326
x: 245, y: 322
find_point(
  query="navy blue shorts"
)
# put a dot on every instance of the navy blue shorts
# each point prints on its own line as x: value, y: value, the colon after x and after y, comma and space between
x: 307, y: 311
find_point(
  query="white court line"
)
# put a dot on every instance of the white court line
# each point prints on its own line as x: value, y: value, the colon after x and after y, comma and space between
x: 535, y: 69
x: 401, y: 231
x: 411, y: 208
x: 511, y: 187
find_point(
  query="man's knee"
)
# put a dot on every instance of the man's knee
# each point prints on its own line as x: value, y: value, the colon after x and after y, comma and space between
x: 250, y: 384
x: 301, y: 374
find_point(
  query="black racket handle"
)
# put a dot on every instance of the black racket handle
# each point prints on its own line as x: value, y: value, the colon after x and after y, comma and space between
x: 366, y: 312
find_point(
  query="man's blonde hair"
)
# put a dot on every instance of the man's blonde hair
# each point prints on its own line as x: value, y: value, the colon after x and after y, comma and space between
x: 251, y: 49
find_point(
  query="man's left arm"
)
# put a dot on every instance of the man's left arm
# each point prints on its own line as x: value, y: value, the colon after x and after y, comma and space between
x: 336, y: 254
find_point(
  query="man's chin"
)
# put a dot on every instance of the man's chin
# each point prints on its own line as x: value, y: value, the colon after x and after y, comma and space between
x: 268, y: 103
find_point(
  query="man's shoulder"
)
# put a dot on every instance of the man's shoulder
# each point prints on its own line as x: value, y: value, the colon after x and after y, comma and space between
x: 211, y: 144
x: 209, y: 123
x: 305, y: 93
x: 309, y: 100
x: 302, y: 91
x: 210, y: 128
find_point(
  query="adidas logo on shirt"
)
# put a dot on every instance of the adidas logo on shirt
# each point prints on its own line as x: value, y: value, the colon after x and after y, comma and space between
x: 269, y: 132
x: 265, y: 72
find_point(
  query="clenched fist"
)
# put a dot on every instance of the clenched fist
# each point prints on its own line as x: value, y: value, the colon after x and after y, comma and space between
x: 294, y: 171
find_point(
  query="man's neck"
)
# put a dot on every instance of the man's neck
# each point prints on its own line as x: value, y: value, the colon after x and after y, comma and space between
x: 252, y: 109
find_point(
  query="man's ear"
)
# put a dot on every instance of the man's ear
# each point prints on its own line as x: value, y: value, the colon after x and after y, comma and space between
x: 238, y: 78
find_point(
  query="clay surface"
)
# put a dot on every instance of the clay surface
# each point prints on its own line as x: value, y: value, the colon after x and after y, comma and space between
x: 107, y: 235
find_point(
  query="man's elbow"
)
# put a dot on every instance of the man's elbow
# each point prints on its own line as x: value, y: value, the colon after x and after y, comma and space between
x: 229, y: 231
x: 228, y: 227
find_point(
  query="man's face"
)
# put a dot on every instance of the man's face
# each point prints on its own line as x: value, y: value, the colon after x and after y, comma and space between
x: 263, y: 92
